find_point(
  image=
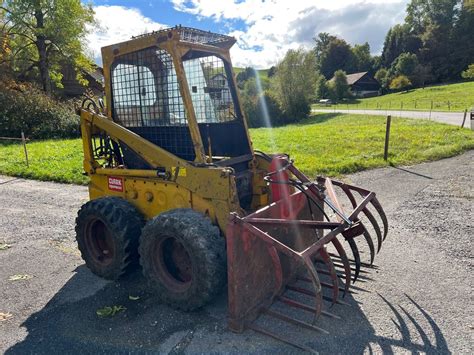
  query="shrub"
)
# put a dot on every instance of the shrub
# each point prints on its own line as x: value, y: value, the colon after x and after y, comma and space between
x: 382, y: 77
x: 25, y: 108
x: 339, y: 85
x: 294, y: 84
x: 401, y: 82
x: 322, y: 88
x: 469, y: 72
x: 257, y: 107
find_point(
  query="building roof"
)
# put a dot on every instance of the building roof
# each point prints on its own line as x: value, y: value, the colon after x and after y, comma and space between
x: 355, y: 77
x: 97, y: 73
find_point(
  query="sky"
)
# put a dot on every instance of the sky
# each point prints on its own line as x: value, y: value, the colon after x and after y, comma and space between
x: 264, y: 29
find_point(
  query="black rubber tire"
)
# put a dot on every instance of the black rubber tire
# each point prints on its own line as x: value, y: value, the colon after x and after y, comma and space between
x: 121, y: 223
x: 204, y: 247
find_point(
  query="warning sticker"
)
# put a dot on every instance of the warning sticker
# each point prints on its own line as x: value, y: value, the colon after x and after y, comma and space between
x: 181, y: 171
x: 115, y: 183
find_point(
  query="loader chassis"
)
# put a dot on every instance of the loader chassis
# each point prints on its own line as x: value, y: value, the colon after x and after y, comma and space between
x: 176, y: 185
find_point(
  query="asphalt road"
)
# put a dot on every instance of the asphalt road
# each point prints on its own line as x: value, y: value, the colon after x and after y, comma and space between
x: 452, y: 118
x: 419, y: 299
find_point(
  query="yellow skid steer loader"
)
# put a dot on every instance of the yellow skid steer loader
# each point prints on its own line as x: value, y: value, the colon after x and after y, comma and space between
x: 176, y: 188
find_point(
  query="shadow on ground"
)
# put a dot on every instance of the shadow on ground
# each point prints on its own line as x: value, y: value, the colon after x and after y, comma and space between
x: 69, y: 324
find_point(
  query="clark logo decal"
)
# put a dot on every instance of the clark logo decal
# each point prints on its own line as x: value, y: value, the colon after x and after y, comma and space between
x: 115, y: 183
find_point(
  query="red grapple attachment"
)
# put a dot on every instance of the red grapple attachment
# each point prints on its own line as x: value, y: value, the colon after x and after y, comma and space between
x: 273, y: 250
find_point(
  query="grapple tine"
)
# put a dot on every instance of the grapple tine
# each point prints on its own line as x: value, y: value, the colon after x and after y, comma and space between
x: 382, y: 214
x: 352, y: 261
x: 266, y: 332
x: 370, y: 243
x: 324, y: 284
x: 295, y: 321
x: 332, y: 270
x: 345, y: 261
x: 317, y: 287
x: 305, y: 307
x: 376, y: 227
x: 370, y: 217
x: 355, y: 253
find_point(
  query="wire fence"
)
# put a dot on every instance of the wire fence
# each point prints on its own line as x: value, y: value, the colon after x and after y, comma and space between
x: 23, y: 141
x: 403, y: 105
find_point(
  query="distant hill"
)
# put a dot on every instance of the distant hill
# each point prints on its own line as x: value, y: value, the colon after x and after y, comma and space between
x: 261, y: 72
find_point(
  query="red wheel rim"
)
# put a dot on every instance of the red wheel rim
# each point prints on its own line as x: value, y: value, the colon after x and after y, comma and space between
x: 172, y: 262
x: 99, y: 242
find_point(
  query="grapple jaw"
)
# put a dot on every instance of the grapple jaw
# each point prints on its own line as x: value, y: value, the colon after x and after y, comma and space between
x: 288, y: 242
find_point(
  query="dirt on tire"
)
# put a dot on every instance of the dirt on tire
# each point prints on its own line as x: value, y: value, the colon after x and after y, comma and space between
x: 205, y: 250
x: 121, y: 223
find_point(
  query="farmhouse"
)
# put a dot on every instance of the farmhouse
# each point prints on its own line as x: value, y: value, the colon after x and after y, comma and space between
x: 219, y: 89
x: 72, y: 87
x: 363, y: 84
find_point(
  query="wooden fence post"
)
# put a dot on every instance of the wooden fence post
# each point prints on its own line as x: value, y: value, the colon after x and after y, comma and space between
x: 387, y: 137
x: 23, y: 140
x: 464, y: 119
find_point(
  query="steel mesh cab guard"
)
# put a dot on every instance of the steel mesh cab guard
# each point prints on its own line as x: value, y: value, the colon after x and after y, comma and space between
x: 173, y: 137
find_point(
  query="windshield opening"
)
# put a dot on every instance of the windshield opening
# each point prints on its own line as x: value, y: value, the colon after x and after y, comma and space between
x: 210, y: 89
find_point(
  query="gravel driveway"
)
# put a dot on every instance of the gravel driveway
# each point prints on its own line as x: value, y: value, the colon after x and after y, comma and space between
x: 419, y: 299
x: 452, y: 118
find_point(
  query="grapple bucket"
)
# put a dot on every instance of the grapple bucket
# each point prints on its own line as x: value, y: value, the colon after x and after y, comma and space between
x: 289, y: 242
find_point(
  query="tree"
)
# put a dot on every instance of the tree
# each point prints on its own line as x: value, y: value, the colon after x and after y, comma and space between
x: 362, y: 58
x: 45, y: 33
x: 382, y: 76
x: 322, y: 41
x: 5, y: 49
x: 462, y: 45
x: 338, y: 55
x: 421, y: 75
x: 322, y: 88
x: 469, y: 72
x: 401, y: 82
x: 434, y: 22
x: 294, y: 82
x: 422, y: 13
x: 405, y: 64
x: 271, y: 72
x: 245, y: 75
x: 339, y: 85
x: 376, y: 63
x: 398, y: 40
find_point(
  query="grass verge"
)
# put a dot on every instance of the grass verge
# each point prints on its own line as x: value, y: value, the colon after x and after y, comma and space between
x: 50, y: 160
x: 452, y: 97
x: 330, y: 144
x: 334, y: 144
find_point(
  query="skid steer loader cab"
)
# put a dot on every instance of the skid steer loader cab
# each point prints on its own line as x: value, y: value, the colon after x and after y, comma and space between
x: 176, y: 188
x: 181, y: 115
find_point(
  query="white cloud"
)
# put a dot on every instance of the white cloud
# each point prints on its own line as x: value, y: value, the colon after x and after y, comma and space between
x: 117, y: 24
x: 271, y: 26
x: 278, y: 25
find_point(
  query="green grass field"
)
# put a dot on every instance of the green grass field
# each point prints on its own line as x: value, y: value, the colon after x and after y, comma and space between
x: 452, y: 97
x: 330, y: 144
x: 53, y: 160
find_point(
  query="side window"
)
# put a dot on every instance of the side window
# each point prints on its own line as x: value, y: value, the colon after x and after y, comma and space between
x: 209, y: 88
x: 145, y: 90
